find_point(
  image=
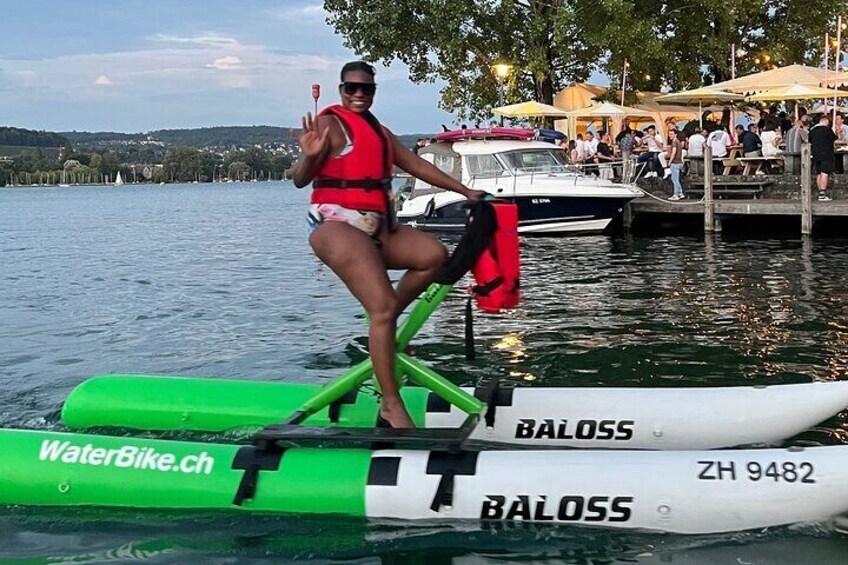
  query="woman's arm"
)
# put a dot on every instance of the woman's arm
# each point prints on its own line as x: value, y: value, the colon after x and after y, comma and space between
x: 419, y: 168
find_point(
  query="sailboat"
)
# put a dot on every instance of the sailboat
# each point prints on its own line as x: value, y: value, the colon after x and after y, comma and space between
x: 118, y: 180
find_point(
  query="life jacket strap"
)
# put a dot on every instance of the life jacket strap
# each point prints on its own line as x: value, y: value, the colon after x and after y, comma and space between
x: 363, y: 184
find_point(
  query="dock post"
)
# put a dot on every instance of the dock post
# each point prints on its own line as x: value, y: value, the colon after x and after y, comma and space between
x: 806, y: 191
x: 709, y: 210
x: 627, y: 217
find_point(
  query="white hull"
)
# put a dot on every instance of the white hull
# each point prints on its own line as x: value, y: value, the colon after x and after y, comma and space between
x: 652, y: 418
x: 686, y: 492
x: 566, y: 227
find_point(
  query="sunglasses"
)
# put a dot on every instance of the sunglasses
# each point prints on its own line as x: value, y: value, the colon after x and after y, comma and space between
x: 367, y: 88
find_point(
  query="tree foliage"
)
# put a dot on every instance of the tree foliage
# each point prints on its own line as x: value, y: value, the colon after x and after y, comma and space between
x: 31, y: 138
x: 550, y: 43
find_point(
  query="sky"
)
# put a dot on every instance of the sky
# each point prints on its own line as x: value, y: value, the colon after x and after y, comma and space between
x: 142, y: 65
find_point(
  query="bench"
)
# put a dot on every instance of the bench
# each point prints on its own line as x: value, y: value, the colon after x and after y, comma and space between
x: 750, y: 162
x: 751, y: 189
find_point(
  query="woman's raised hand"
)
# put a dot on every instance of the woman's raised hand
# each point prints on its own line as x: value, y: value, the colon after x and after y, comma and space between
x: 313, y: 142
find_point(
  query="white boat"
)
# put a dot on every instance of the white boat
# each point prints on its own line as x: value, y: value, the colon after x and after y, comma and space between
x: 118, y: 180
x: 592, y: 417
x: 552, y: 196
x: 651, y: 418
x: 687, y: 492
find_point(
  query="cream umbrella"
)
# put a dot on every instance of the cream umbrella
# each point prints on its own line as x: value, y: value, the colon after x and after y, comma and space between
x: 708, y: 95
x: 573, y: 97
x: 577, y: 95
x: 607, y: 110
x: 797, y: 92
x: 529, y: 109
x: 776, y: 78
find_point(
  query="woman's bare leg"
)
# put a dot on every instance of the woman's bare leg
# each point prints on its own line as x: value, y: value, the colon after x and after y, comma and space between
x: 355, y: 258
x: 420, y: 253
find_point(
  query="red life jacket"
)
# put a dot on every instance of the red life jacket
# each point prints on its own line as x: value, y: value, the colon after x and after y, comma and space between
x: 362, y: 179
x: 497, y: 271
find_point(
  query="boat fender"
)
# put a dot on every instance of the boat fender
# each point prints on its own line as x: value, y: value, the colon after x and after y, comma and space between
x: 497, y: 270
x: 253, y: 459
x: 449, y: 465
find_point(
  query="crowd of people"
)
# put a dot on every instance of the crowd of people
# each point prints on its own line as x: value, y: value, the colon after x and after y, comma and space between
x: 771, y: 138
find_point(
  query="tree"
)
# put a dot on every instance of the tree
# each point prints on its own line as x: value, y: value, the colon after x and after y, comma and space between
x: 110, y: 164
x: 459, y: 41
x: 550, y: 43
x: 182, y: 164
x: 238, y: 170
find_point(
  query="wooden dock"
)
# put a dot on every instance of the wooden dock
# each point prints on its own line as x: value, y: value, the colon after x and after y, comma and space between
x: 713, y: 211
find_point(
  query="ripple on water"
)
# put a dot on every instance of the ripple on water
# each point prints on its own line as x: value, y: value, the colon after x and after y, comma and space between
x: 219, y: 281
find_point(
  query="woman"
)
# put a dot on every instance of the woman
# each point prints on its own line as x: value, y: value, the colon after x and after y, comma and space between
x: 349, y: 157
x: 675, y: 159
x: 771, y: 141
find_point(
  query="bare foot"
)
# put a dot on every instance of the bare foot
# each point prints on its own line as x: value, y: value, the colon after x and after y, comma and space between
x: 396, y: 415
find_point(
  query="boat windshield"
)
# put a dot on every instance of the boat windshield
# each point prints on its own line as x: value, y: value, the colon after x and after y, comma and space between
x: 534, y: 161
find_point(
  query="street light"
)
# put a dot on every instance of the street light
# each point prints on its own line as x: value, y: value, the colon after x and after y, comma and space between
x: 502, y: 72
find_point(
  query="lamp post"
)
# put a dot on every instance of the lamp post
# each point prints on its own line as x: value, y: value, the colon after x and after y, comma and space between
x: 624, y: 80
x: 502, y: 72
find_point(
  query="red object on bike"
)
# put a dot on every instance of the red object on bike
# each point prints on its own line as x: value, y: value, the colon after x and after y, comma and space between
x: 498, y: 270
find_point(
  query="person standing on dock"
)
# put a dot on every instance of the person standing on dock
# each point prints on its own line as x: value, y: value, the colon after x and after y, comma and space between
x: 349, y: 157
x: 823, y: 139
x: 675, y: 160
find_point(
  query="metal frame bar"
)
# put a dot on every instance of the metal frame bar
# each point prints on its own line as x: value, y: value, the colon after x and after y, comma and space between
x: 414, y: 370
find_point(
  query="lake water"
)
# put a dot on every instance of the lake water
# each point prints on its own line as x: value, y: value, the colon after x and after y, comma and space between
x: 218, y: 281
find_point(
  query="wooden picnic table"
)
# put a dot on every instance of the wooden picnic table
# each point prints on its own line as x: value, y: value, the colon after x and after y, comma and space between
x: 758, y: 162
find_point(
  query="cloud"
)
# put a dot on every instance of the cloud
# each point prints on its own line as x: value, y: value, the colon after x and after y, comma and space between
x: 225, y: 63
x: 312, y: 12
x: 209, y: 39
x: 103, y: 80
x: 236, y: 81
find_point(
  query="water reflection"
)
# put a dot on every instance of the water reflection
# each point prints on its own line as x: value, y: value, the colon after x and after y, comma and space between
x: 96, y: 536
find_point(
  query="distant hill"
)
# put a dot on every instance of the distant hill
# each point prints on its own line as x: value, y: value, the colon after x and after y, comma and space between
x: 223, y: 136
x: 16, y: 141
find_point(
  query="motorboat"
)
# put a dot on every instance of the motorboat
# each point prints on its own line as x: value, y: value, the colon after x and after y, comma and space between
x: 553, y: 196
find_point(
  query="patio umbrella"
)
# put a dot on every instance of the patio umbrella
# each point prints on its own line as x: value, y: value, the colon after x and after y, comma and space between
x: 708, y: 95
x: 606, y: 110
x: 529, y: 109
x: 577, y: 95
x: 796, y: 92
x: 780, y: 77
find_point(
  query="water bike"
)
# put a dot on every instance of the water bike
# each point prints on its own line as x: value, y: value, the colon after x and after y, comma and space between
x: 316, y: 450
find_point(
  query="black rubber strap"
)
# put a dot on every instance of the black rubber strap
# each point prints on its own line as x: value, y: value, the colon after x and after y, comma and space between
x: 334, y: 410
x: 489, y: 396
x: 485, y: 289
x: 253, y: 459
x: 449, y: 465
x: 470, y: 353
x: 444, y: 492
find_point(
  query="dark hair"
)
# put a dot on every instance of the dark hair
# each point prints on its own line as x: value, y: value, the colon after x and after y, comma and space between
x: 357, y: 66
